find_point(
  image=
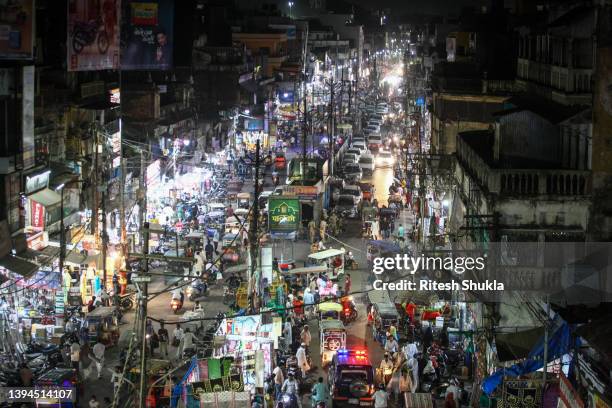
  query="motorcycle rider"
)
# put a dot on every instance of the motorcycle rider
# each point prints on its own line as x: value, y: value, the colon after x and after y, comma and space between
x: 387, y: 366
x: 177, y: 294
x: 320, y: 392
x: 291, y: 387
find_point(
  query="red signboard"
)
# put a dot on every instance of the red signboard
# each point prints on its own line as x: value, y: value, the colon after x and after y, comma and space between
x: 37, y: 215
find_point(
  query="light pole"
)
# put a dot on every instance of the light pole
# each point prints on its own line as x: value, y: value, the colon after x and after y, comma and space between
x: 290, y: 7
x: 62, y: 253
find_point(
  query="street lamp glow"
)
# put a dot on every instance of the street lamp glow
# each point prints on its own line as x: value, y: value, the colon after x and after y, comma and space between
x: 247, y: 112
x: 60, y: 187
x: 290, y: 7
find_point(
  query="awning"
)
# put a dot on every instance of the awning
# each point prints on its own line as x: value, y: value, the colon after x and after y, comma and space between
x: 18, y: 266
x: 46, y: 197
x: 516, y: 346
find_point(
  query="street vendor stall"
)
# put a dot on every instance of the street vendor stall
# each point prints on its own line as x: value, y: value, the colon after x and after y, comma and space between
x: 332, y: 258
x: 102, y: 323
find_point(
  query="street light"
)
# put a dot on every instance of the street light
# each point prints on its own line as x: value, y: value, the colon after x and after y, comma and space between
x: 290, y: 7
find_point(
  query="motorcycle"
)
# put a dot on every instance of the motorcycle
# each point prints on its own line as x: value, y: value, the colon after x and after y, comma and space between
x: 176, y: 305
x: 288, y: 401
x: 197, y: 290
x: 85, y: 33
x: 349, y: 311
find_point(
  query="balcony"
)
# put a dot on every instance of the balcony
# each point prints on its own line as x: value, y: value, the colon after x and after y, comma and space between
x: 522, y: 182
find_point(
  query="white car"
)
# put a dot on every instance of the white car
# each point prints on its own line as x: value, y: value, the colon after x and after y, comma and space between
x: 354, y: 191
x: 367, y: 164
x: 361, y: 146
x: 355, y: 151
x: 374, y: 142
x: 385, y: 159
x: 349, y: 158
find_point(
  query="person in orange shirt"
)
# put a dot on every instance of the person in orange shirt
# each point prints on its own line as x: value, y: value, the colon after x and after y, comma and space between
x: 298, y: 306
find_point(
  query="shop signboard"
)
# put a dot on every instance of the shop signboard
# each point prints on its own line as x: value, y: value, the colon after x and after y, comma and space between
x: 522, y: 393
x: 302, y: 192
x: 37, y: 215
x: 283, y: 214
x: 148, y: 35
x: 17, y: 29
x: 37, y: 182
x: 93, y: 35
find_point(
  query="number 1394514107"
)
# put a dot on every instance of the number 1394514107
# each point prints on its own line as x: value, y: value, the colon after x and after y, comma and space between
x: 34, y: 394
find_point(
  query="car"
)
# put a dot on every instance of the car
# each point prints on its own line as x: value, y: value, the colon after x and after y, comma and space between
x: 354, y: 191
x: 373, y: 128
x: 355, y: 151
x: 385, y: 159
x: 345, y: 205
x: 351, y: 379
x: 361, y: 146
x: 349, y: 158
x: 374, y: 142
x: 352, y: 171
x: 367, y: 164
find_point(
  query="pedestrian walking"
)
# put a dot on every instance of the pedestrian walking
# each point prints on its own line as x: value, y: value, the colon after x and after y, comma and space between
x: 279, y: 379
x: 347, y: 284
x: 177, y: 335
x: 97, y: 356
x: 93, y: 402
x: 75, y: 355
x: 312, y: 230
x: 302, y: 360
x: 216, y: 239
x: 305, y: 336
x: 209, y: 249
x: 163, y: 337
x: 381, y: 397
x: 322, y: 230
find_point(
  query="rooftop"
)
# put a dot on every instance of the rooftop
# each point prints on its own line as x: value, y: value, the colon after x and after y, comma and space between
x: 549, y: 110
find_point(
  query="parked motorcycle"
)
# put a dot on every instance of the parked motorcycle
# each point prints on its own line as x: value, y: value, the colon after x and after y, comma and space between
x: 197, y: 290
x: 85, y: 33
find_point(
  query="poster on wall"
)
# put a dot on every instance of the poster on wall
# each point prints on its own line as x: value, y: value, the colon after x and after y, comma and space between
x: 93, y: 34
x: 27, y: 117
x: 148, y: 38
x: 16, y: 29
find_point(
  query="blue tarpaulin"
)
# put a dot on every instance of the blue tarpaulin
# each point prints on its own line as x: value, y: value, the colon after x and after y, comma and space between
x: 558, y: 345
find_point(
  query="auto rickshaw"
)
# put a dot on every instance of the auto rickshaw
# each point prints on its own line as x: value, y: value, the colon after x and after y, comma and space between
x: 384, y: 315
x: 243, y: 200
x: 367, y: 190
x: 280, y: 162
x: 332, y: 338
x: 103, y: 325
x: 329, y: 311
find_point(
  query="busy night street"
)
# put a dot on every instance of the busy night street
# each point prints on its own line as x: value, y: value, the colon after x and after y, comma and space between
x: 305, y: 204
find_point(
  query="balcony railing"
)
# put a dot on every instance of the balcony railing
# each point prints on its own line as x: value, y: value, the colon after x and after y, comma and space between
x: 522, y: 182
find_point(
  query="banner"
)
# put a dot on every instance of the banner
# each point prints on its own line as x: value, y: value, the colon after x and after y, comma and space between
x: 93, y: 35
x: 17, y: 29
x: 27, y: 117
x: 148, y: 35
x: 283, y: 214
x: 37, y: 212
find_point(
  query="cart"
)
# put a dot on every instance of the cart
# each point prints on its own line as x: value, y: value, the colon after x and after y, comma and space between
x: 103, y: 325
x: 333, y: 259
x: 62, y: 378
x: 333, y: 338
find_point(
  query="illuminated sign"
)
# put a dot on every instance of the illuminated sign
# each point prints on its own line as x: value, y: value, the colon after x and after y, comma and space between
x: 283, y: 214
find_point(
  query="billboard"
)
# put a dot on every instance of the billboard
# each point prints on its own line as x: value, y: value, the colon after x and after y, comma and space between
x: 148, y: 35
x: 283, y: 214
x: 17, y: 29
x: 27, y: 117
x: 93, y: 35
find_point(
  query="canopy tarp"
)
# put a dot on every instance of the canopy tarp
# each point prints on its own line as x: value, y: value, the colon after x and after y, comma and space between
x: 306, y: 270
x: 516, y: 346
x: 328, y: 253
x: 18, y: 266
x: 46, y: 197
x: 330, y: 307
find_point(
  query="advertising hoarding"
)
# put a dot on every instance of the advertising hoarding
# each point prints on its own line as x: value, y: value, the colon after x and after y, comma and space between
x: 16, y: 29
x: 283, y: 214
x: 93, y: 35
x: 27, y: 117
x: 148, y: 35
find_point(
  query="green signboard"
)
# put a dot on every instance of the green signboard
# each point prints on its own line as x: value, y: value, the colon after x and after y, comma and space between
x: 283, y: 214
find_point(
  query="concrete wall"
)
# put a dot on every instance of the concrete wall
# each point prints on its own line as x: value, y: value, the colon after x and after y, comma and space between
x: 527, y: 135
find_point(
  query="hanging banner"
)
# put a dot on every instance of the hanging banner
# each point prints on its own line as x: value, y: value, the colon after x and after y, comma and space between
x: 283, y: 214
x: 27, y: 117
x: 16, y: 29
x: 568, y: 397
x: 37, y: 215
x: 93, y: 35
x: 148, y: 35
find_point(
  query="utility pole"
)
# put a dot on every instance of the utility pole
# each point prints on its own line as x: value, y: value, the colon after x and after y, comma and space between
x: 304, y: 130
x: 104, y: 240
x: 330, y: 132
x: 546, y: 330
x: 144, y: 295
x: 142, y: 191
x: 96, y: 199
x: 254, y: 233
x: 340, y: 114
